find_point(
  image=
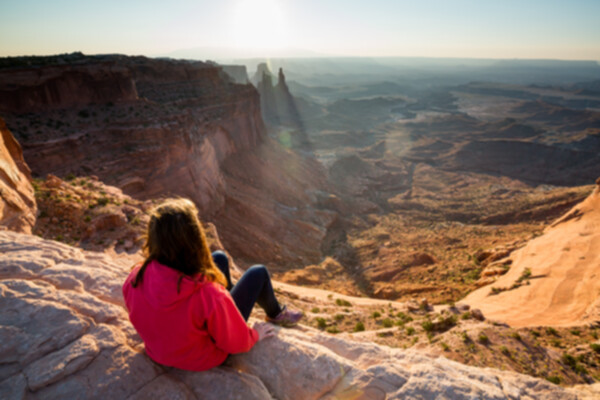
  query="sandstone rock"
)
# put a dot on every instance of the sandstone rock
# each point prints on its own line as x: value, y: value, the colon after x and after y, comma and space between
x: 481, y: 254
x: 267, y: 363
x: 420, y: 305
x: 53, y: 181
x: 417, y: 259
x: 223, y: 383
x: 492, y: 271
x: 477, y: 314
x: 112, y: 220
x: 17, y: 200
x: 65, y: 335
x: 563, y: 263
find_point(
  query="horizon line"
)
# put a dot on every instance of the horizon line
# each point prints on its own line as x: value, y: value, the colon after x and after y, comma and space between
x: 324, y: 56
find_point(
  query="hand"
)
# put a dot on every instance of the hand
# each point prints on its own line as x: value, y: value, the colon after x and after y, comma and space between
x: 264, y: 330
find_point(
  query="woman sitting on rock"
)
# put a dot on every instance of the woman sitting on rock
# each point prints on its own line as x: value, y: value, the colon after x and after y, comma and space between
x: 181, y: 300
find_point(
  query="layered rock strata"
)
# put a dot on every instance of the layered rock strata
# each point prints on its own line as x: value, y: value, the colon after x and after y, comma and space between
x: 185, y: 129
x: 17, y: 200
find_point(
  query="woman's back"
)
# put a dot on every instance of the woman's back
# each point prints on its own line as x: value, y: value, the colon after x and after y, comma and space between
x: 188, y: 323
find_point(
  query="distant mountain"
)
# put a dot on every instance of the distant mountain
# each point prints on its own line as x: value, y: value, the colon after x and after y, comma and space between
x: 229, y: 54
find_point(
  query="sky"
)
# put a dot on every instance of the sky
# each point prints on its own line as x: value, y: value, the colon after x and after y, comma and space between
x: 524, y: 29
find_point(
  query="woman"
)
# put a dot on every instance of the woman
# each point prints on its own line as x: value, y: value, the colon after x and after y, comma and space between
x: 181, y: 300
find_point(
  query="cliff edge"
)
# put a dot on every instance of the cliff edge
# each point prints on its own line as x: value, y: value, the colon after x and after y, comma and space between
x: 65, y: 334
x: 17, y: 200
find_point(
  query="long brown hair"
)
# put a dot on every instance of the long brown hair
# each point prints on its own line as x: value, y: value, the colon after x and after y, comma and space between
x: 175, y: 238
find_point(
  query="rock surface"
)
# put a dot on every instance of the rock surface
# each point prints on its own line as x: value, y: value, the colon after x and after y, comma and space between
x: 553, y: 279
x: 17, y: 201
x: 64, y: 334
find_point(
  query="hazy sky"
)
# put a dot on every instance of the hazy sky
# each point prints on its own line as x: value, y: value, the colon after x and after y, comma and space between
x: 568, y: 29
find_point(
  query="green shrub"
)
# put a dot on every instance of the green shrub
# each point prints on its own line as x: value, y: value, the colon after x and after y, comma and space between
x: 465, y: 337
x: 343, y: 303
x: 595, y: 347
x: 321, y: 323
x: 445, y: 346
x: 551, y: 331
x: 573, y: 363
x: 526, y: 274
x: 427, y: 326
x: 333, y: 329
x: 496, y: 290
x: 315, y: 310
x: 504, y: 350
x: 569, y: 360
x: 483, y: 339
x: 410, y: 331
x: 403, y: 317
x: 515, y: 335
x: 554, y: 379
x: 338, y: 317
x: 376, y: 314
x: 359, y: 327
x: 387, y: 323
x: 556, y: 343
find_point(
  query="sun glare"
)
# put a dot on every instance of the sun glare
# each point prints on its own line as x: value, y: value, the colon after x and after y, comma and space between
x: 259, y: 25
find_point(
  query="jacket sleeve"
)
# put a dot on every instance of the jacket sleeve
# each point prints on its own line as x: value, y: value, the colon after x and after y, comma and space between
x: 227, y: 327
x: 127, y: 287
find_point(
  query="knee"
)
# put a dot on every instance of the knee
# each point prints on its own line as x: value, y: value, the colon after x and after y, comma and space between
x: 220, y: 258
x: 258, y: 270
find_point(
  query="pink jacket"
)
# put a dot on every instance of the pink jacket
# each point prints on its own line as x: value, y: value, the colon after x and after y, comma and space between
x: 194, y: 329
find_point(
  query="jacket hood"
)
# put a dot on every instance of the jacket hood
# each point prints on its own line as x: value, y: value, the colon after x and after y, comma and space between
x: 160, y: 285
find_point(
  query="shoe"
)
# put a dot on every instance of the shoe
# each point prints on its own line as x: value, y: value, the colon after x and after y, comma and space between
x: 286, y: 318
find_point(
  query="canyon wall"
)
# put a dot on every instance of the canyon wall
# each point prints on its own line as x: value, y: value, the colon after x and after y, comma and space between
x: 169, y: 132
x: 17, y: 202
x: 28, y: 89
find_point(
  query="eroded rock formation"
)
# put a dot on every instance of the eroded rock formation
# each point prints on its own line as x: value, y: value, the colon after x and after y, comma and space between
x: 552, y: 280
x: 64, y: 334
x: 28, y: 89
x: 17, y: 201
x: 278, y: 106
x: 188, y: 130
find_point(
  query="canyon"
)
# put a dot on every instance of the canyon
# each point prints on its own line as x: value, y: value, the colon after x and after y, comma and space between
x: 162, y: 128
x: 377, y: 205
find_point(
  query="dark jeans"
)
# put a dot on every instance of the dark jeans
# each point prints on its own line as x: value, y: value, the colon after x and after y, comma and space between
x: 253, y: 287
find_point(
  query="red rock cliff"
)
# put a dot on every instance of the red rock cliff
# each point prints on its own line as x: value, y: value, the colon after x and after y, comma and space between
x: 191, y: 132
x: 29, y: 89
x: 17, y: 201
x: 179, y: 122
